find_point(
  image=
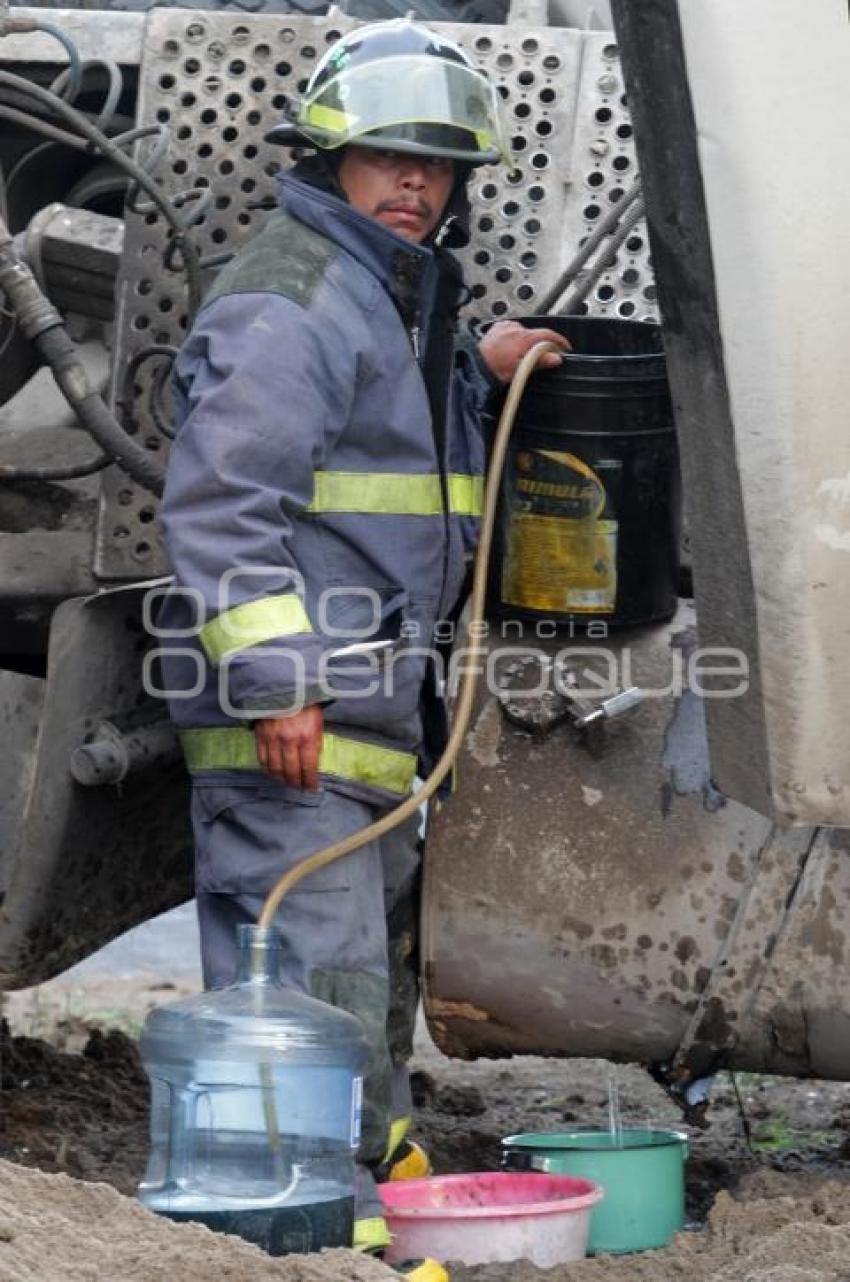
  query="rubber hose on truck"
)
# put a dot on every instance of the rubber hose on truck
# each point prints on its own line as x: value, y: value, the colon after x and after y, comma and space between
x: 42, y: 325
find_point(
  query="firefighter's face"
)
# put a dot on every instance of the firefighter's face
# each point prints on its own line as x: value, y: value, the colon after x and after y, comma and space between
x: 403, y: 192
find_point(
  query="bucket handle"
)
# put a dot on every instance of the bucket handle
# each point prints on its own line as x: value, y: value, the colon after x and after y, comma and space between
x: 685, y: 1147
x: 517, y: 1160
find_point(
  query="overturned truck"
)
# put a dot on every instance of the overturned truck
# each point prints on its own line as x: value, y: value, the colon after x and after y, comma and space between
x: 667, y: 885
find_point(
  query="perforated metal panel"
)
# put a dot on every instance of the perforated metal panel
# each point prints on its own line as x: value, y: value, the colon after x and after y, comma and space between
x: 218, y: 82
x: 604, y: 167
x: 517, y: 242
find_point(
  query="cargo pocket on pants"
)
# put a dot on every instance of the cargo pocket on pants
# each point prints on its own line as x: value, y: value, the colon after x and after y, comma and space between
x: 247, y: 836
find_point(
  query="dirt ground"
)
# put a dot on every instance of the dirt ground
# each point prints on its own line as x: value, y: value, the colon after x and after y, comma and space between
x: 73, y: 1100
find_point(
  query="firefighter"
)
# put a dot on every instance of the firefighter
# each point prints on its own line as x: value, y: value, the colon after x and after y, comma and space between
x: 322, y: 494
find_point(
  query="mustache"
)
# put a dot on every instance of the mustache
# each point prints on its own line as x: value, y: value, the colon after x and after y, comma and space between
x: 419, y: 207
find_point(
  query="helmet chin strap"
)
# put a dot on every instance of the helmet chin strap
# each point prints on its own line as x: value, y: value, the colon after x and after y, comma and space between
x: 444, y: 230
x: 452, y: 231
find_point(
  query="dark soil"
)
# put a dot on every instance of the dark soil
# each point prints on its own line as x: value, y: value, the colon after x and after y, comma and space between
x: 82, y: 1114
x: 86, y: 1114
x: 464, y: 1111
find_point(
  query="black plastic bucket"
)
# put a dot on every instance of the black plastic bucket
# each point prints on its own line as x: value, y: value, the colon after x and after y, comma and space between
x: 590, y: 512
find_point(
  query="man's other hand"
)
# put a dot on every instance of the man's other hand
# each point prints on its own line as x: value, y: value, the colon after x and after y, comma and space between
x: 288, y: 747
x: 506, y: 342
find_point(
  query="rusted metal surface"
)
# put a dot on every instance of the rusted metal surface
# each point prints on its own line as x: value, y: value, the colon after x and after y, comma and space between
x: 83, y: 864
x: 620, y: 906
x: 742, y: 963
x: 798, y: 1017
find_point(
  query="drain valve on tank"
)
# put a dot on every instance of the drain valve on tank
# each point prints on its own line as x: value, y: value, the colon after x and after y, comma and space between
x: 537, y: 693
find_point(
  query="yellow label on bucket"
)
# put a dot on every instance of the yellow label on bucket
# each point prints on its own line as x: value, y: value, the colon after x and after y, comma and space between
x: 559, y: 553
x: 553, y: 563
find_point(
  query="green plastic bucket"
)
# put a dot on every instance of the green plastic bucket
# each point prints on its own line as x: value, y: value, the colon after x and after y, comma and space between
x: 643, y: 1179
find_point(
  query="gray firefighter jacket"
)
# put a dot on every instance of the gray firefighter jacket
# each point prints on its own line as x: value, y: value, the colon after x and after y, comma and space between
x: 307, y: 507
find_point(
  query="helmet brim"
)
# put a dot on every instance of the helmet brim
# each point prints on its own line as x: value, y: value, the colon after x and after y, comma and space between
x: 289, y: 135
x: 286, y: 134
x: 384, y: 142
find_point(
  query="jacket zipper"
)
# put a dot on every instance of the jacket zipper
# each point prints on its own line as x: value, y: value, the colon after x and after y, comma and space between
x: 414, y: 330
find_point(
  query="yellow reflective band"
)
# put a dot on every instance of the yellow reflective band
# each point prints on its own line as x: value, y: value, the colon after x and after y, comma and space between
x: 399, y: 1127
x: 371, y: 1234
x: 234, y: 748
x: 396, y: 493
x: 367, y: 763
x: 466, y: 494
x: 335, y: 122
x: 384, y: 493
x: 252, y: 623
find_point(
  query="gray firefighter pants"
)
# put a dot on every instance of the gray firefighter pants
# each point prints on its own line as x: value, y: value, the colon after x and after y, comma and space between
x: 348, y: 931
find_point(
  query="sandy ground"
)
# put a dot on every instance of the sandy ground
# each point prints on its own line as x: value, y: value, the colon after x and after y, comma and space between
x: 74, y: 1100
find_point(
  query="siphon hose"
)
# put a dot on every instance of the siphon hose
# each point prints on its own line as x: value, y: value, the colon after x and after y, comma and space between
x: 460, y: 723
x: 469, y: 679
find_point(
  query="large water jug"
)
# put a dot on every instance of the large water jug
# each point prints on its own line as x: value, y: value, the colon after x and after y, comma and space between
x: 255, y: 1109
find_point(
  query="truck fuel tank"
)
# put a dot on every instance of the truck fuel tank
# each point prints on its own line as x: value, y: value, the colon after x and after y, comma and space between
x: 599, y: 897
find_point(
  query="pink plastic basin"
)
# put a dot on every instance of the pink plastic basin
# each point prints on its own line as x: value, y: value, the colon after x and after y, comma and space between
x: 489, y: 1217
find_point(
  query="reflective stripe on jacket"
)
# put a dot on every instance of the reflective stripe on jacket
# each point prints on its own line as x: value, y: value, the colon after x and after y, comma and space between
x: 306, y: 508
x: 230, y: 748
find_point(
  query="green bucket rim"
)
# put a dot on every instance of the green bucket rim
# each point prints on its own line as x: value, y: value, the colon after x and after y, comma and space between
x: 576, y: 1141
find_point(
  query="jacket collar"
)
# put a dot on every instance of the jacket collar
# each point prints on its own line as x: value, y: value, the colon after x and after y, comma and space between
x: 406, y: 270
x: 375, y: 246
